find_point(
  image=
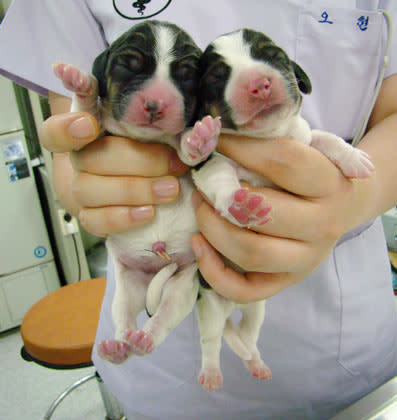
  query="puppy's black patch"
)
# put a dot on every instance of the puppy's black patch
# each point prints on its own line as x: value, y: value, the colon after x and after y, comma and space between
x: 185, y: 70
x: 129, y: 61
x: 264, y: 49
x: 203, y: 282
x: 302, y: 78
x: 214, y: 76
x: 98, y: 70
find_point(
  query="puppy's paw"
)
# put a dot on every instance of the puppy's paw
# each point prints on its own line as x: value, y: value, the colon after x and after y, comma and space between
x: 140, y: 342
x: 114, y: 351
x: 210, y: 379
x: 248, y: 208
x: 357, y: 164
x: 258, y: 369
x: 74, y: 79
x: 201, y: 141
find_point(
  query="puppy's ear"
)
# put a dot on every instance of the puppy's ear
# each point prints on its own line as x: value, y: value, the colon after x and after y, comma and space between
x: 302, y: 78
x: 99, y: 71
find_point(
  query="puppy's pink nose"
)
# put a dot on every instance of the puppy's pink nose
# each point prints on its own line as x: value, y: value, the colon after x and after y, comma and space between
x: 260, y: 88
x: 154, y: 110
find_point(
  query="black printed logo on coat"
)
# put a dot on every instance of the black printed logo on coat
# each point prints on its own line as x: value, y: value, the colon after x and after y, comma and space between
x: 141, y: 9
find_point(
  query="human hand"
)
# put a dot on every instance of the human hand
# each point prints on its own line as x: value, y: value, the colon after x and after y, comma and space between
x: 315, y: 208
x: 114, y: 182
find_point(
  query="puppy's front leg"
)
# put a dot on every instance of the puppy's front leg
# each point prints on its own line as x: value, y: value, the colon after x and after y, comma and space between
x: 219, y: 180
x: 200, y: 141
x: 354, y: 163
x: 83, y: 85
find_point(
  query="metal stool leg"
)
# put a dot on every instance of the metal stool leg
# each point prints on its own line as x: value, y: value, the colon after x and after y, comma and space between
x: 67, y: 391
x: 112, y: 406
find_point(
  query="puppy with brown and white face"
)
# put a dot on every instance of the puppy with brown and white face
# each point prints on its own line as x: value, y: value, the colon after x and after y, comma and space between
x: 144, y: 86
x: 256, y: 89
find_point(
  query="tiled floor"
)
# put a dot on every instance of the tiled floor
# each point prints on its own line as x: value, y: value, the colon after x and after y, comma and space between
x: 27, y: 390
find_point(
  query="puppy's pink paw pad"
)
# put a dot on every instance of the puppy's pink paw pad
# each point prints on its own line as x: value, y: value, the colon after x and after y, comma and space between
x: 114, y: 351
x: 259, y: 369
x: 203, y: 139
x: 249, y: 209
x: 74, y: 79
x: 210, y: 379
x: 140, y: 342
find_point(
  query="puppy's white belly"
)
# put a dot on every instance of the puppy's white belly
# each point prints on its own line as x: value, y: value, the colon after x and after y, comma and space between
x: 173, y: 224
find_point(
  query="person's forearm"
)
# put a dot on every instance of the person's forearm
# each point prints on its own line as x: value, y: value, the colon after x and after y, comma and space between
x: 62, y: 179
x: 375, y: 195
x: 62, y: 167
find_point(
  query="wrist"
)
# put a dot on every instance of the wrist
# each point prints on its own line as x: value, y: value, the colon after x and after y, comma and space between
x: 379, y: 192
x: 363, y: 202
x: 63, y: 174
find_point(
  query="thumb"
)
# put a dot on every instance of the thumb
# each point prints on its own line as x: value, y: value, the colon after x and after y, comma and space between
x: 223, y: 279
x: 68, y: 132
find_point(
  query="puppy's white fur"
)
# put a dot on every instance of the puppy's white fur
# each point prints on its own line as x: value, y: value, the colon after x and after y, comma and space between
x: 220, y: 178
x: 173, y: 290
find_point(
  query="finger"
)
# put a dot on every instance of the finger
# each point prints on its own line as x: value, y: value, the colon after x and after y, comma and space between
x: 252, y: 251
x: 291, y: 165
x: 111, y: 155
x: 107, y: 220
x: 239, y: 287
x: 67, y: 132
x: 98, y: 191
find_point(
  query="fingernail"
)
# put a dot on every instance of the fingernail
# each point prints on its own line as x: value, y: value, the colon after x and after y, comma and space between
x: 197, y: 249
x: 166, y: 188
x: 141, y: 213
x: 82, y: 217
x: 81, y: 128
x: 176, y: 166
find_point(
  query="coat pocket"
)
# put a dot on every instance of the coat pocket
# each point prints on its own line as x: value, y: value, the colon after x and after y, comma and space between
x: 368, y: 313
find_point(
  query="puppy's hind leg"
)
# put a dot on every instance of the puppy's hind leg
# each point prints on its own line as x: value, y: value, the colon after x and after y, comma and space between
x: 249, y: 329
x: 212, y: 312
x: 128, y: 302
x: 178, y: 297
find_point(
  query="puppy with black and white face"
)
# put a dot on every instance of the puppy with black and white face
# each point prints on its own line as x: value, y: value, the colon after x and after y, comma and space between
x: 256, y: 89
x: 144, y: 86
x: 251, y: 83
x: 147, y: 83
x: 144, y: 91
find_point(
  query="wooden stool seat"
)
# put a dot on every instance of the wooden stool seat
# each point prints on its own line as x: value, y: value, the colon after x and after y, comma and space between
x: 59, y: 330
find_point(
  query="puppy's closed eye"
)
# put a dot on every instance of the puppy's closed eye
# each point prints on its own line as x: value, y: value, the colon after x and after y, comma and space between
x: 219, y: 72
x: 186, y: 74
x: 131, y: 63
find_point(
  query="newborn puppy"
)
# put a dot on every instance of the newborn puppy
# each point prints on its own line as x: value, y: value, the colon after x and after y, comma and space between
x: 256, y: 89
x: 147, y: 83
